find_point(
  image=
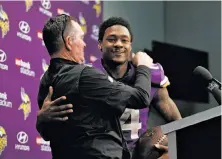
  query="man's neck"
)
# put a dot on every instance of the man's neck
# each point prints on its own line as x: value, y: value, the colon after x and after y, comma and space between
x: 116, y: 71
x: 63, y: 55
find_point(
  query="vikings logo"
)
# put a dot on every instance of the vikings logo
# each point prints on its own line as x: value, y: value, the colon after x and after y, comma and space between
x: 3, y: 139
x: 28, y: 4
x: 26, y: 104
x: 44, y: 67
x: 82, y: 22
x: 97, y: 7
x: 4, y: 22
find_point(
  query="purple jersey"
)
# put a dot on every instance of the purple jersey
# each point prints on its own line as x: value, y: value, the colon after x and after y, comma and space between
x: 134, y: 121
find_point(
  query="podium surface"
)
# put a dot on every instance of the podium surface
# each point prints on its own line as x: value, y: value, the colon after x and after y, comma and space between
x: 195, y: 137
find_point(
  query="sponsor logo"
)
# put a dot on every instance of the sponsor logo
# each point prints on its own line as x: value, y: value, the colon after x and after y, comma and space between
x: 97, y: 7
x: 95, y: 32
x: 22, y: 138
x: 85, y: 1
x: 3, y: 58
x: 61, y: 11
x: 44, y: 145
x: 45, y: 67
x: 25, y: 67
x: 82, y: 22
x: 39, y: 35
x: 3, y: 139
x: 44, y: 9
x: 4, y: 100
x: 24, y: 30
x: 26, y: 104
x: 28, y: 5
x: 92, y: 58
x: 4, y: 22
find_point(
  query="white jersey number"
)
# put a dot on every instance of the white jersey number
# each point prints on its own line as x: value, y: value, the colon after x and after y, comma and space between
x: 134, y: 126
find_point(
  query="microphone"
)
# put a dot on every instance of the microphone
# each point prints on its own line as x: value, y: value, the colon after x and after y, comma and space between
x: 213, y: 85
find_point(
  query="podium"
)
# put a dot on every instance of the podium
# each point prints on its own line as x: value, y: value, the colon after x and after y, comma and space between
x: 195, y: 137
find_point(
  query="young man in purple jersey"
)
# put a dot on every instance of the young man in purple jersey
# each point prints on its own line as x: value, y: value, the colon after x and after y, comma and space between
x: 115, y: 43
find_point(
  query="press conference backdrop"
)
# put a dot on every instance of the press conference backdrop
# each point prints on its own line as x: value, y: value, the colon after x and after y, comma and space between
x: 23, y: 61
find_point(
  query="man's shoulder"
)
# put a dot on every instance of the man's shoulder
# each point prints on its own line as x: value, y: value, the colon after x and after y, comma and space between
x: 72, y: 70
x: 44, y: 78
x: 92, y: 69
x: 43, y: 89
x: 159, y: 79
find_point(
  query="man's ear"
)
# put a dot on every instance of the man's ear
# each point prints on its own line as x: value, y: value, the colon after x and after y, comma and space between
x: 100, y: 46
x: 130, y: 48
x: 68, y: 43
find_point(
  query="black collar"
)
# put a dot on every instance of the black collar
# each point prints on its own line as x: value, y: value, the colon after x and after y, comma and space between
x: 57, y: 63
x: 62, y: 61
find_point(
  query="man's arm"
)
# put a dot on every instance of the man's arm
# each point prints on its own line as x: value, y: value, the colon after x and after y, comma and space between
x: 165, y: 105
x: 51, y: 112
x: 99, y: 90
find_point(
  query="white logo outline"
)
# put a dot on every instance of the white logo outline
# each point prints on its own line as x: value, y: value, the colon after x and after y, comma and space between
x: 46, y: 4
x: 22, y: 137
x: 24, y: 27
x: 3, y: 56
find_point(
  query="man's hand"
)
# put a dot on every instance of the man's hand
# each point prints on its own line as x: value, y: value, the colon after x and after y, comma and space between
x: 164, y: 150
x: 161, y: 147
x: 52, y: 111
x: 141, y: 58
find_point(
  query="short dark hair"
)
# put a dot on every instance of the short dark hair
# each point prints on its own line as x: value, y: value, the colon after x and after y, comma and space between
x: 53, y: 32
x: 114, y: 21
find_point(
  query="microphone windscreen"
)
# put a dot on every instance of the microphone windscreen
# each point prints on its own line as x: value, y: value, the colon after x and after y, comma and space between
x: 203, y: 73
